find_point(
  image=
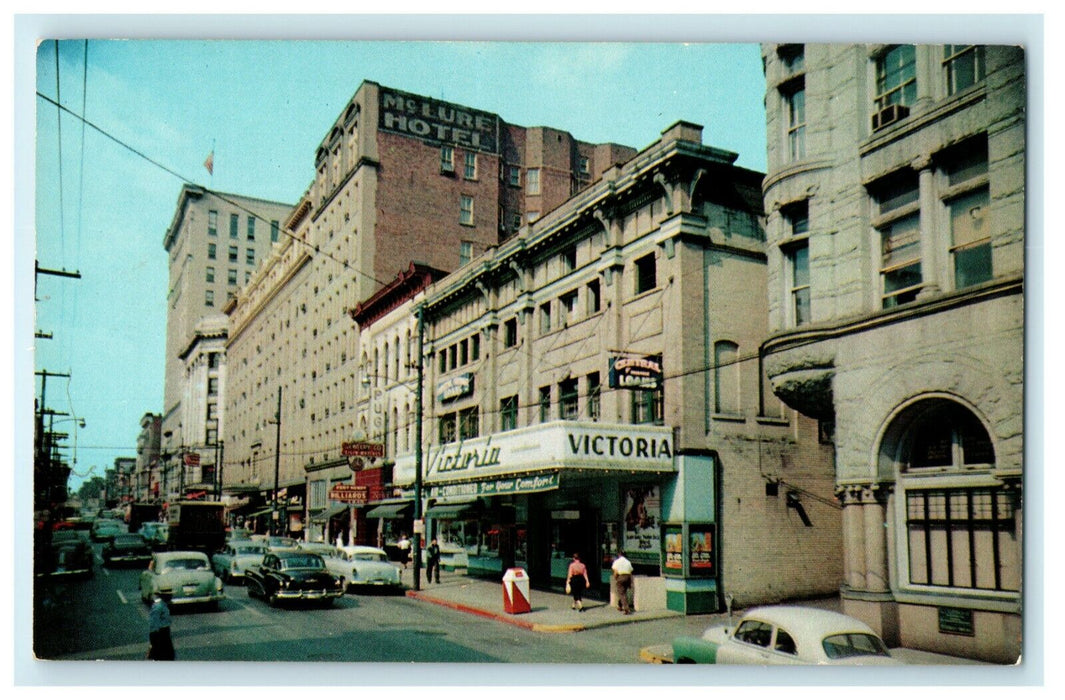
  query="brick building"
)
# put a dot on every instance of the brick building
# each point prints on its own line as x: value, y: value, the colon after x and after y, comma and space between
x: 399, y: 178
x: 895, y: 201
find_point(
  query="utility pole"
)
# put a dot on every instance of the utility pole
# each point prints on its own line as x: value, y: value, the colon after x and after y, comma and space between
x: 418, y: 410
x: 275, y: 522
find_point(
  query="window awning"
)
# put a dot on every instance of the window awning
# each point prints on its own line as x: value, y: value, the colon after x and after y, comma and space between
x: 390, y: 510
x: 450, y: 510
x: 328, y: 514
x: 257, y: 513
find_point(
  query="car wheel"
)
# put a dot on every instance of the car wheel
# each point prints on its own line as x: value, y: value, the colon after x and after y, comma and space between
x: 684, y: 660
x: 272, y: 600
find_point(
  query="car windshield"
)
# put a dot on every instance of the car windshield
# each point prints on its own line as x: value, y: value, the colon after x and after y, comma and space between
x: 184, y: 565
x: 129, y: 539
x: 282, y: 542
x: 304, y: 561
x: 842, y: 646
x: 251, y: 549
x: 369, y: 556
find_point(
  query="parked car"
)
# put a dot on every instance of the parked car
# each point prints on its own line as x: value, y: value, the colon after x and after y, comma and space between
x: 279, y: 544
x: 124, y: 548
x: 361, y: 566
x: 235, y: 558
x: 155, y: 533
x: 187, y: 576
x: 787, y: 634
x: 293, y: 575
x: 104, y: 529
x: 72, y: 555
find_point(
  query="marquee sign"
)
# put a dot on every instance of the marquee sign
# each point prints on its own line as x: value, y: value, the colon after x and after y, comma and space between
x: 498, y: 487
x: 438, y: 121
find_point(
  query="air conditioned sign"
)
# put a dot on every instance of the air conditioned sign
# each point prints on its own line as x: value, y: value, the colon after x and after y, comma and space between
x: 454, y: 388
x: 438, y: 121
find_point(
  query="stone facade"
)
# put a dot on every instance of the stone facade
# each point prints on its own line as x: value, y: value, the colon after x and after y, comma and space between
x: 895, y: 202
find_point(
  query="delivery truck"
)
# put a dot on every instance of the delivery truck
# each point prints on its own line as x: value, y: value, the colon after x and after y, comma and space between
x: 197, y: 525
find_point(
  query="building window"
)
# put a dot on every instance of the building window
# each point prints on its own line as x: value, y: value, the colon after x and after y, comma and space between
x: 208, y: 297
x: 567, y: 399
x: 250, y: 256
x: 726, y: 377
x: 475, y: 347
x: 568, y: 307
x: 799, y: 270
x: 210, y: 273
x: 545, y: 404
x: 647, y: 406
x: 595, y: 299
x: 465, y: 252
x: 545, y: 318
x: 234, y: 225
x: 212, y: 251
x: 232, y: 253
x: 466, y: 210
x: 569, y: 259
x: 469, y: 423
x: 508, y: 413
x: 213, y: 360
x: 532, y: 181
x: 247, y: 276
x: 448, y: 428
x: 896, y: 77
x: 469, y: 166
x: 513, y: 176
x: 275, y: 230
x: 968, y: 206
x: 898, y: 223
x: 594, y: 392
x: 212, y: 436
x: 510, y: 333
x: 646, y: 278
x: 582, y: 166
x: 794, y: 94
x: 251, y: 228
x: 443, y: 360
x: 963, y: 66
x: 212, y: 411
x: 516, y: 220
x: 231, y: 276
x: 793, y: 57
x: 212, y: 386
x: 447, y: 159
x: 212, y: 223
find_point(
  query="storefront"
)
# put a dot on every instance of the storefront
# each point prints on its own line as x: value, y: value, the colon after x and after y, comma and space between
x: 532, y: 497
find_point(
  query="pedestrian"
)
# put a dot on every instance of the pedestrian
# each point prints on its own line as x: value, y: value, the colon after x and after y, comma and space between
x: 432, y: 562
x: 622, y: 569
x: 160, y: 645
x: 577, y: 581
x: 404, y: 549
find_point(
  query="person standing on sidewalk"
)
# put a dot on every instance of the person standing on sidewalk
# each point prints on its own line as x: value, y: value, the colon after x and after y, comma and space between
x: 160, y: 645
x: 432, y: 561
x: 622, y: 569
x: 403, y: 545
x: 577, y: 581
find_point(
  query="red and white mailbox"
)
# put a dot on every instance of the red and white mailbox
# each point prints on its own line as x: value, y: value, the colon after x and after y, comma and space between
x: 516, y: 592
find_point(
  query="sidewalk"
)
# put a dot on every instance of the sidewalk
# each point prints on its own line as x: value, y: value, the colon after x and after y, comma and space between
x: 550, y: 611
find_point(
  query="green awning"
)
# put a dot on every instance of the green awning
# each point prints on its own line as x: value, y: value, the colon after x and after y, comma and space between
x: 257, y: 513
x: 390, y: 510
x: 324, y: 515
x: 443, y: 511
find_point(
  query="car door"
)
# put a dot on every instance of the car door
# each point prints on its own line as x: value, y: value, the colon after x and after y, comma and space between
x: 749, y: 644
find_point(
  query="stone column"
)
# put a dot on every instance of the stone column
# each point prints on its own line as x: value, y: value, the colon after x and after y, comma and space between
x: 853, y: 538
x: 930, y: 246
x: 873, y: 508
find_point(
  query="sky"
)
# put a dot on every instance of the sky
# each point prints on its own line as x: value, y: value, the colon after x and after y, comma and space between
x: 107, y: 191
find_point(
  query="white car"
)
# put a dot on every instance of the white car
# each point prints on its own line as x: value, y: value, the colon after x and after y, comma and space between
x: 235, y: 558
x: 363, y: 566
x: 790, y: 635
x: 186, y: 576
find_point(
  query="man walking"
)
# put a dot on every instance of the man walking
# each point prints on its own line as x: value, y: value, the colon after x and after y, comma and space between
x: 432, y: 561
x: 622, y: 569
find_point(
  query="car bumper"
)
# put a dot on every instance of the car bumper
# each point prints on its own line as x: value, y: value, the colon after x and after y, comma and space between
x: 194, y: 599
x: 128, y: 557
x: 375, y: 582
x: 308, y: 595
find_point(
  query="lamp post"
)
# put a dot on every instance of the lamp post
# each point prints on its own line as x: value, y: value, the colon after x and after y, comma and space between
x: 275, y: 516
x: 418, y: 409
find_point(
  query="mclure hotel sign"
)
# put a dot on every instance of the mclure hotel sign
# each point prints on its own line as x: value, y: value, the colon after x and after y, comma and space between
x: 437, y: 121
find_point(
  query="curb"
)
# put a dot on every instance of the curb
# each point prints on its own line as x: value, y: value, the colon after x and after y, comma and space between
x: 658, y: 654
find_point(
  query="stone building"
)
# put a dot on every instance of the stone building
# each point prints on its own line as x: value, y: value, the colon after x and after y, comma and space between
x: 215, y: 242
x: 146, y: 480
x: 398, y: 178
x: 593, y: 385
x: 895, y: 200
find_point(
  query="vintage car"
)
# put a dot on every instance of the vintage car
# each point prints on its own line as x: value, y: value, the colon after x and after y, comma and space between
x: 361, y: 566
x: 155, y: 533
x: 104, y: 529
x: 126, y: 549
x: 276, y: 543
x: 236, y: 557
x: 72, y: 555
x: 293, y: 575
x: 786, y: 634
x: 186, y: 576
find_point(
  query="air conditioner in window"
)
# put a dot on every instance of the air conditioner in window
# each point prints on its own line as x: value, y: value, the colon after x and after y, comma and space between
x: 889, y: 115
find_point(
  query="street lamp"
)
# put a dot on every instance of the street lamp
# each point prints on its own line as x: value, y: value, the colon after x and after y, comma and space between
x: 275, y: 517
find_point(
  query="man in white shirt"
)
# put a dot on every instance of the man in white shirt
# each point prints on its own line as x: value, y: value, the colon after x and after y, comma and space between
x: 622, y: 569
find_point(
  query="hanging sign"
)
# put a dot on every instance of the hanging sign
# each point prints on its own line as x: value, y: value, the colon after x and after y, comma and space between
x: 635, y: 373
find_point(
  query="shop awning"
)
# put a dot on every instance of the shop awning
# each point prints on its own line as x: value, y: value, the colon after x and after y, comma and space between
x: 257, y: 513
x: 390, y: 510
x: 450, y: 510
x: 329, y: 513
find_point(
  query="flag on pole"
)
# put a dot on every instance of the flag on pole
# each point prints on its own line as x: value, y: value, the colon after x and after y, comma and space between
x: 209, y: 163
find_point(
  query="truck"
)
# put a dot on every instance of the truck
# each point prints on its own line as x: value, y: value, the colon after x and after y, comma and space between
x: 197, y: 525
x: 140, y: 513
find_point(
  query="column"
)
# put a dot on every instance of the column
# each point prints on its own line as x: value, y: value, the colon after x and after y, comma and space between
x: 931, y: 275
x: 853, y: 538
x: 873, y: 508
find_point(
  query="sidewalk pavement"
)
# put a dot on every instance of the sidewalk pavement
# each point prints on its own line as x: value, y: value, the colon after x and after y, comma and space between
x: 550, y: 612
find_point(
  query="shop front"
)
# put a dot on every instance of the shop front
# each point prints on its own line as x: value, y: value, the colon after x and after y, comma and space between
x: 534, y: 497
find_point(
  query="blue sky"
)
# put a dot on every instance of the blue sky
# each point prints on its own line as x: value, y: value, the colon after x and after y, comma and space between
x: 263, y: 107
